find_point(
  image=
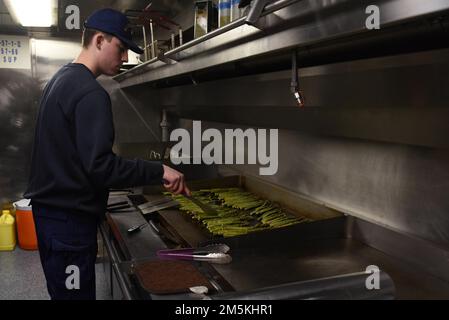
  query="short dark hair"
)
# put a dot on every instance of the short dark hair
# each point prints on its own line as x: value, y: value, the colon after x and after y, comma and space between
x: 88, y: 35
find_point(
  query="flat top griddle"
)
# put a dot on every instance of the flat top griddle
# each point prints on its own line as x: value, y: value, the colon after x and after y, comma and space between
x: 323, y: 248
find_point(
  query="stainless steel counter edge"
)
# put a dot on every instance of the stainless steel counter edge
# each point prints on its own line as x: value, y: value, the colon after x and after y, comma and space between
x: 138, y: 246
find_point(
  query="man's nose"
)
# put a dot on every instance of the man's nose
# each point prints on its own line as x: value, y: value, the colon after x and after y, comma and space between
x: 125, y: 56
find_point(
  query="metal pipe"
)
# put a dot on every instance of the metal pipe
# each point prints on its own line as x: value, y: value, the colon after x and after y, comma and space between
x: 145, y: 43
x: 235, y: 24
x: 347, y: 286
x: 152, y: 39
x: 255, y: 11
x: 164, y: 125
x: 155, y: 48
x: 294, y: 85
x: 173, y: 44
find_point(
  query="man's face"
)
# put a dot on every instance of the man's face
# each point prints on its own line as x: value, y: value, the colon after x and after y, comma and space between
x: 112, y: 55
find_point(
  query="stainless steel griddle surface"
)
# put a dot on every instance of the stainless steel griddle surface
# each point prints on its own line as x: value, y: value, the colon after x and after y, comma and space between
x: 257, y: 267
x: 324, y: 248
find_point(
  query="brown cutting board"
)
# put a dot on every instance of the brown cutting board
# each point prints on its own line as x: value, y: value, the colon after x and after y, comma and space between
x: 169, y: 276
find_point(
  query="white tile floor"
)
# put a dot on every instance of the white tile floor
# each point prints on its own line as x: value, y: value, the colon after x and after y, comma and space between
x: 22, y: 278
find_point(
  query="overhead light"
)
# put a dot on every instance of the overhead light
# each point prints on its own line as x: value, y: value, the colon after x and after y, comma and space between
x: 33, y: 13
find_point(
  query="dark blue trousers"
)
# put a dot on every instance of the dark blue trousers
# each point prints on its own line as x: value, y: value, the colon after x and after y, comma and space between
x: 68, y: 249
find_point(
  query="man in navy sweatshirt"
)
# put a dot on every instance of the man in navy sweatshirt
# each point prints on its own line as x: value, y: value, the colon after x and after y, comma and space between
x: 73, y: 166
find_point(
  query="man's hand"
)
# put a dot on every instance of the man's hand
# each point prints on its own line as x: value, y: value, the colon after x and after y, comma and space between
x: 174, y: 181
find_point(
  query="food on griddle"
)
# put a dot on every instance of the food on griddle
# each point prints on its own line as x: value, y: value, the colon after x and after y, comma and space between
x: 237, y: 211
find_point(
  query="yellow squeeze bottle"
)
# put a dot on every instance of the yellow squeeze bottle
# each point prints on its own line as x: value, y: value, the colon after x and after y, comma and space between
x: 7, y: 231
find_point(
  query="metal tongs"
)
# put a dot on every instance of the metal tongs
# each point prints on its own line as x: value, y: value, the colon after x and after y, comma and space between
x: 215, y: 253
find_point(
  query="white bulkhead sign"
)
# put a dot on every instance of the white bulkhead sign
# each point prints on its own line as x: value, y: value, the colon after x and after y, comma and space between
x: 15, y: 52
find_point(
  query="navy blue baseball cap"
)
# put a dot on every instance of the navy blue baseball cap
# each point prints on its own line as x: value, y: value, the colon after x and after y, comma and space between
x: 115, y: 23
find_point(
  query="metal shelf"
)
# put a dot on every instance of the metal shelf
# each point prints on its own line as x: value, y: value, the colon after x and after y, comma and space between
x: 284, y: 25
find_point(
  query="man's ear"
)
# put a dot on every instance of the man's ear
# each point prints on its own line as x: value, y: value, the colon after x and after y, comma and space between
x: 98, y: 40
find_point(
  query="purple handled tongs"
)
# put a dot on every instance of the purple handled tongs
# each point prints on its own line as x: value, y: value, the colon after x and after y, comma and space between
x: 214, y: 253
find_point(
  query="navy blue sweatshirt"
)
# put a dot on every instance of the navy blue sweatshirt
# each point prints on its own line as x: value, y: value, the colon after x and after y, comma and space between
x: 73, y: 165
